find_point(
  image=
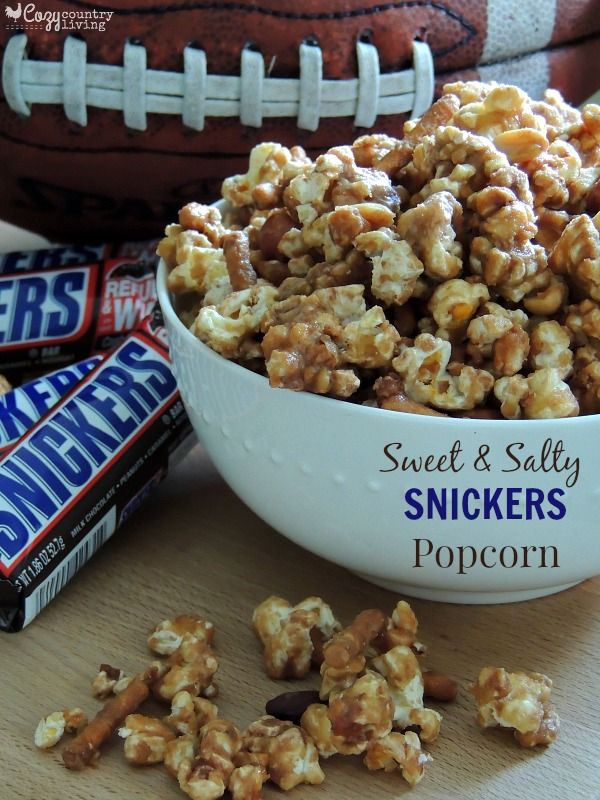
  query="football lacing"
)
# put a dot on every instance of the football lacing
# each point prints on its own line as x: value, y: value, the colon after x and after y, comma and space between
x: 194, y: 94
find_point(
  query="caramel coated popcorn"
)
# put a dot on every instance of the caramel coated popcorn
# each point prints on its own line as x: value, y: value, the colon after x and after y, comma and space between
x: 52, y: 728
x: 293, y: 635
x: 487, y: 199
x: 517, y: 700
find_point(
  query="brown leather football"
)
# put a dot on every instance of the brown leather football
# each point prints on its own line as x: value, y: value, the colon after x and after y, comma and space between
x: 113, y: 116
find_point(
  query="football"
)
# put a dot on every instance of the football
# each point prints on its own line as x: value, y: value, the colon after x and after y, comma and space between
x: 112, y: 118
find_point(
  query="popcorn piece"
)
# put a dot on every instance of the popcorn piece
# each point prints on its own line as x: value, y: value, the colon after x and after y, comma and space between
x: 207, y: 775
x: 345, y: 223
x: 560, y: 117
x: 189, y: 713
x: 576, y: 255
x: 288, y: 633
x: 371, y: 340
x: 355, y: 716
x: 354, y: 268
x: 586, y: 379
x: 398, y: 751
x: 305, y: 356
x: 344, y: 654
x: 291, y: 756
x: 547, y: 300
x: 229, y: 327
x: 555, y: 176
x: 454, y: 303
x: 190, y: 668
x: 396, y: 268
x: 168, y: 635
x: 146, y: 739
x: 550, y: 348
x: 550, y: 224
x: 246, y: 782
x: 401, y: 670
x: 109, y: 681
x: 541, y: 395
x: 503, y: 253
x: 401, y: 628
x: 267, y: 161
x: 461, y: 163
x: 500, y: 108
x: 179, y: 753
x: 430, y: 228
x: 204, y: 219
x: 583, y: 322
x: 197, y: 265
x: 517, y: 700
x: 389, y: 390
x: 52, y: 728
x: 332, y: 306
x: 427, y: 378
x: 498, y: 340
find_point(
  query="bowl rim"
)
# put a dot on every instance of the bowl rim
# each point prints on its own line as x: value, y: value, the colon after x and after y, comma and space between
x: 236, y: 369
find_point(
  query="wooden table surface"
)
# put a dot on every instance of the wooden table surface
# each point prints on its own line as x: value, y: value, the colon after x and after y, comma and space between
x: 196, y: 547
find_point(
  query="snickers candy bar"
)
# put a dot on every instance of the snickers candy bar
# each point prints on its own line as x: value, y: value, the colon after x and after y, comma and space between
x: 21, y: 408
x: 53, y: 317
x: 75, y: 255
x: 83, y: 469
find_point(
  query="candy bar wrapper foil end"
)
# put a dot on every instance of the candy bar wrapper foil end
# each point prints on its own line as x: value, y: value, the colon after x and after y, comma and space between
x: 84, y: 468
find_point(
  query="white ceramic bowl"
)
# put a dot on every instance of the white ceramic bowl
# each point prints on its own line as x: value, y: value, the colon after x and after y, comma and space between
x: 328, y: 475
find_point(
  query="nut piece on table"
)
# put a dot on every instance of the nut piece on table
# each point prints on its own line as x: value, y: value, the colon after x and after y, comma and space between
x: 438, y: 686
x: 289, y: 752
x: 52, y: 728
x: 146, y: 739
x: 189, y: 713
x: 168, y: 634
x: 398, y: 751
x: 109, y: 681
x: 517, y: 700
x: 289, y: 634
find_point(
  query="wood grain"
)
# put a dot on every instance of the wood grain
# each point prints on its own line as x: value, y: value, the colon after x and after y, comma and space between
x: 196, y: 547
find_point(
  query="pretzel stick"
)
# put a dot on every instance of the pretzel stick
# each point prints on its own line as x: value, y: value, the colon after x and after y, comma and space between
x: 85, y: 747
x: 349, y: 643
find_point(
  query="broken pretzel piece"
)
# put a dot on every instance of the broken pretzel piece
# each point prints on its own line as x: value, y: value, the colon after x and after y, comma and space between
x: 85, y: 748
